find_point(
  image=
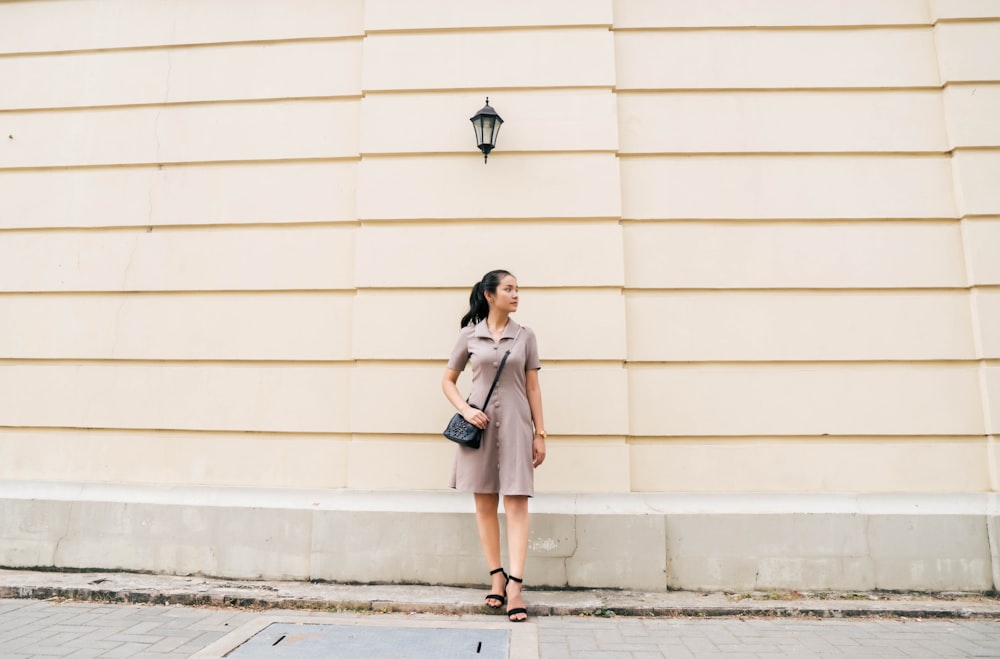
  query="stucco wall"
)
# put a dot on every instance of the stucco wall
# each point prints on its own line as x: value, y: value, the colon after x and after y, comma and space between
x: 759, y: 241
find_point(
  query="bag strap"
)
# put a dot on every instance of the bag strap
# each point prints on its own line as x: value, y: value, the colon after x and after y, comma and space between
x: 503, y: 361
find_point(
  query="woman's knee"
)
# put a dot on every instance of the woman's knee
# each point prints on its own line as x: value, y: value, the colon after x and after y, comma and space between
x: 487, y: 503
x: 515, y: 505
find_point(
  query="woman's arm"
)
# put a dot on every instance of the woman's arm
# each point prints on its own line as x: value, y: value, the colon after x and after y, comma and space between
x: 534, y: 391
x: 449, y: 385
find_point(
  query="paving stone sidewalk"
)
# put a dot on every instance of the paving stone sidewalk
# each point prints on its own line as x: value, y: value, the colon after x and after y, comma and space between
x: 95, y: 615
x: 33, y: 628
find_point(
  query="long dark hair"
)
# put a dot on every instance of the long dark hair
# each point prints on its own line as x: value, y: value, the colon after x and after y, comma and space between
x: 479, y: 308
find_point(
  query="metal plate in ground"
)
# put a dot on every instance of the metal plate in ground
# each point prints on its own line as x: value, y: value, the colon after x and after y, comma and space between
x: 350, y: 641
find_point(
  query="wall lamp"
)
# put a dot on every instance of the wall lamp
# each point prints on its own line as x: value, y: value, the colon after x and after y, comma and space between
x: 486, y: 123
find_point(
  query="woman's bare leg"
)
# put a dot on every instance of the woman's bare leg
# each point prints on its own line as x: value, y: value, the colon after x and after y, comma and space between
x: 518, y: 528
x: 489, y: 537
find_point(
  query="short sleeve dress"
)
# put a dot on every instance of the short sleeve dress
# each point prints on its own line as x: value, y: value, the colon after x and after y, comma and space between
x: 503, y: 462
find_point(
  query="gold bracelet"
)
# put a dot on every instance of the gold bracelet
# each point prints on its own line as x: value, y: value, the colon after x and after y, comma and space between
x: 542, y: 434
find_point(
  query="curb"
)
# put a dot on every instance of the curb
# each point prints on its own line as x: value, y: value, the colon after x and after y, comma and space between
x: 127, y: 588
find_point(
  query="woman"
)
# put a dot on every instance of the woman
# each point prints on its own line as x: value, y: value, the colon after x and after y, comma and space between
x: 513, y: 442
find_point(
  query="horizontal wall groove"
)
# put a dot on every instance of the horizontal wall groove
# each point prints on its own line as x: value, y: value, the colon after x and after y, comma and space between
x: 480, y: 29
x: 629, y: 439
x: 183, y: 163
x: 177, y: 292
x: 471, y: 222
x: 804, y: 221
x: 629, y: 221
x: 860, y: 439
x: 379, y: 91
x: 781, y: 363
x: 150, y: 361
x: 625, y: 289
x: 485, y: 91
x: 464, y: 289
x: 967, y: 19
x: 587, y: 363
x: 822, y: 290
x: 776, y: 90
x: 584, y: 363
x: 970, y: 81
x: 148, y: 228
x: 428, y: 221
x: 976, y: 147
x: 475, y: 154
x: 501, y: 153
x: 181, y: 46
x: 69, y: 109
x: 774, y: 28
x: 966, y: 83
x: 278, y: 363
x: 784, y: 154
x: 85, y: 430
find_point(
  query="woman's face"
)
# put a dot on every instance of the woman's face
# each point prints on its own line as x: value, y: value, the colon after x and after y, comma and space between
x: 506, y: 295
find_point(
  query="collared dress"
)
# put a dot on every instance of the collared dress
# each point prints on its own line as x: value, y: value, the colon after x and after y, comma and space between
x: 503, y: 462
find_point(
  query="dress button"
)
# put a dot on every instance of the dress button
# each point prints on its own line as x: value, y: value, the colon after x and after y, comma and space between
x: 496, y: 363
x: 496, y: 404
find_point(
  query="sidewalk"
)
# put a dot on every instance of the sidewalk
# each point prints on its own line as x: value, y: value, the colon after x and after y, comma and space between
x: 125, y: 615
x: 201, y: 591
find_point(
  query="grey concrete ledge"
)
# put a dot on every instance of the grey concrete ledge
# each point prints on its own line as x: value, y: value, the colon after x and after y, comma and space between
x: 446, y: 501
x: 643, y: 542
x: 279, y: 595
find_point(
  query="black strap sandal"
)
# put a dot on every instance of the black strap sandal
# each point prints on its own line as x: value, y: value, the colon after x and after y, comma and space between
x: 501, y: 599
x: 514, y: 612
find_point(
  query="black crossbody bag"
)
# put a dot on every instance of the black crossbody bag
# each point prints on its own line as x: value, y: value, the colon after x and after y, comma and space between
x: 461, y: 431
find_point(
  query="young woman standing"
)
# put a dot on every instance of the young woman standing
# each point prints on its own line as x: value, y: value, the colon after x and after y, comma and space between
x: 513, y: 443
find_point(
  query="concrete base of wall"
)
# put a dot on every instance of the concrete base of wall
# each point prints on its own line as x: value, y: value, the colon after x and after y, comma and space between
x: 636, y: 541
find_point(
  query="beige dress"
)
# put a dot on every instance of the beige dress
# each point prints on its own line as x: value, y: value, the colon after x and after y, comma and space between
x: 503, y: 463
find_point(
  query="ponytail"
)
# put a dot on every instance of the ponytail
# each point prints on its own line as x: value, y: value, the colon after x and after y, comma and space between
x: 479, y: 307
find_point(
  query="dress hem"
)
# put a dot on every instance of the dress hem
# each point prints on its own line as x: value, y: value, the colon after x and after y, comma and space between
x: 503, y: 494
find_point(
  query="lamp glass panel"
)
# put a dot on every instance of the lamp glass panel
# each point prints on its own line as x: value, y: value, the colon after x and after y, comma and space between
x: 477, y: 125
x: 489, y: 123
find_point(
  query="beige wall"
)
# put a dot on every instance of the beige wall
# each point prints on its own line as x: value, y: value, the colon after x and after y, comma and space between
x: 757, y: 258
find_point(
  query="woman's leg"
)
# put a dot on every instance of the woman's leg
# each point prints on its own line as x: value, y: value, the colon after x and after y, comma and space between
x: 489, y: 537
x: 518, y: 526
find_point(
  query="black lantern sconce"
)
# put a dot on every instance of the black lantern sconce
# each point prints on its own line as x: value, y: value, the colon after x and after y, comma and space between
x: 486, y: 123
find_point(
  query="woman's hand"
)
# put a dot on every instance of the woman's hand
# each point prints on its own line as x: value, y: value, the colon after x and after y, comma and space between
x: 476, y: 417
x: 468, y: 412
x: 538, y: 450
